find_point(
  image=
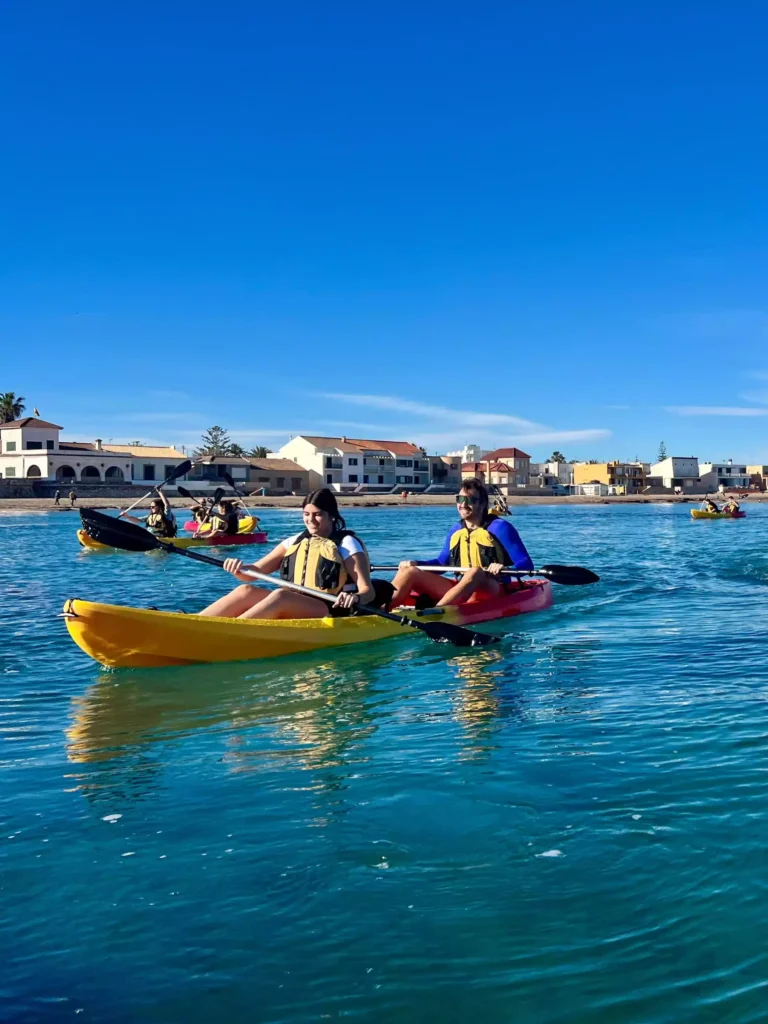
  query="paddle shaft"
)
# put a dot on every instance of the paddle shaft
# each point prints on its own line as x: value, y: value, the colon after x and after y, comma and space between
x: 236, y: 489
x: 456, y: 568
x: 180, y: 470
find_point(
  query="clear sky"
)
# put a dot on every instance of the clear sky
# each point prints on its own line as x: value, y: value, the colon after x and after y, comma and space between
x: 541, y: 224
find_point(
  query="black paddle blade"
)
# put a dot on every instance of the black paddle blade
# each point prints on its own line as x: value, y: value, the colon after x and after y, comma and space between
x: 184, y: 492
x: 117, y: 533
x: 218, y: 494
x: 459, y: 636
x: 181, y: 470
x: 568, y: 575
x: 230, y: 481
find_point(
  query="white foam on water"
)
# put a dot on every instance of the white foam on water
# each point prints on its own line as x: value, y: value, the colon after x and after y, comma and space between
x: 550, y: 853
x: 130, y: 853
x: 112, y: 817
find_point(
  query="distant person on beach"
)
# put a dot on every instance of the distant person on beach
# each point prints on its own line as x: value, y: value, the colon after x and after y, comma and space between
x: 72, y: 498
x: 57, y: 498
x: 404, y: 496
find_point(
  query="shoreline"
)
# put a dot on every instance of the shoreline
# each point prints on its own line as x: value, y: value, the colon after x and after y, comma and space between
x: 9, y: 505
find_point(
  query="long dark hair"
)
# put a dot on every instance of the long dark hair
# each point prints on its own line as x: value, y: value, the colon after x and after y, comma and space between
x: 476, y: 487
x: 324, y: 499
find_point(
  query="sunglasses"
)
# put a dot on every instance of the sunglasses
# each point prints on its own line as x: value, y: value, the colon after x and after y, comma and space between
x: 466, y: 499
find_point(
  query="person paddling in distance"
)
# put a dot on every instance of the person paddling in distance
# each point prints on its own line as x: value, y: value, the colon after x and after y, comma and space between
x: 731, y: 506
x: 161, y: 520
x: 325, y: 556
x: 481, y: 541
x: 709, y: 506
x: 224, y: 520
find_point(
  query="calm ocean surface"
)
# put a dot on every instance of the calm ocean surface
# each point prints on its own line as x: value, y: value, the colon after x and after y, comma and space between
x: 569, y: 827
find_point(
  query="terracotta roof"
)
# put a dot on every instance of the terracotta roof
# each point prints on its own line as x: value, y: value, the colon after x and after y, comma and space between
x: 146, y: 450
x: 355, y: 444
x: 80, y: 446
x: 505, y: 453
x: 277, y: 465
x: 30, y: 421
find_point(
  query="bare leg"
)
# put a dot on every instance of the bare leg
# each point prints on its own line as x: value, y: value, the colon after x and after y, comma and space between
x: 431, y: 584
x: 236, y: 601
x: 472, y: 581
x: 283, y: 604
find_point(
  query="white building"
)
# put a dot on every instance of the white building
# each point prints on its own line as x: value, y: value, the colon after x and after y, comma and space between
x: 30, y: 448
x: 348, y: 464
x: 714, y: 475
x: 469, y: 453
x: 550, y: 474
x: 676, y: 471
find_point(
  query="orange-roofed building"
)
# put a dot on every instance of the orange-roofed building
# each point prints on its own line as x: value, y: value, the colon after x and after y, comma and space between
x: 359, y: 464
x: 505, y: 468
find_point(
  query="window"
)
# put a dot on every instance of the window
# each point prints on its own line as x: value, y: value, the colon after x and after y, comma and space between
x: 353, y: 478
x: 365, y: 479
x: 169, y: 471
x: 49, y: 445
x: 10, y: 446
x: 34, y: 445
x: 404, y: 463
x: 263, y: 479
x: 329, y: 478
x: 295, y: 483
x: 381, y: 479
x: 149, y: 471
x: 417, y: 479
x: 405, y: 480
x: 10, y: 471
x: 382, y: 462
x: 281, y: 481
x: 353, y: 462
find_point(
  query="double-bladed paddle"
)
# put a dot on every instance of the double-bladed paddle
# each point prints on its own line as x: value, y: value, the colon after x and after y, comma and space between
x: 566, y: 575
x: 230, y: 480
x: 120, y: 534
x: 181, y: 470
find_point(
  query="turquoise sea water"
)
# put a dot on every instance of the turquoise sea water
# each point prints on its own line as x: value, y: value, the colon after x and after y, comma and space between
x: 568, y: 827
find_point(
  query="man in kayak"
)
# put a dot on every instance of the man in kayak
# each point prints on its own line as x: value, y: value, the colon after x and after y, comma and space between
x: 224, y: 520
x: 709, y: 506
x: 324, y: 556
x: 731, y: 506
x: 161, y: 520
x: 480, y: 541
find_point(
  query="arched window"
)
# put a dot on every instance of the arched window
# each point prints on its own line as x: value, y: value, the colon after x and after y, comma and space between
x: 34, y: 471
x: 90, y: 473
x: 114, y: 473
x: 65, y: 474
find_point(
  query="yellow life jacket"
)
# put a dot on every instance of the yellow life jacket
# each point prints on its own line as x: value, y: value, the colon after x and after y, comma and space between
x: 315, y: 562
x: 477, y: 547
x: 161, y: 525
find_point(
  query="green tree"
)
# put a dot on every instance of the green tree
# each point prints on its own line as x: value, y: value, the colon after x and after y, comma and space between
x: 259, y: 452
x: 11, y: 406
x: 236, y: 451
x: 215, y: 441
x: 662, y: 452
x: 556, y: 457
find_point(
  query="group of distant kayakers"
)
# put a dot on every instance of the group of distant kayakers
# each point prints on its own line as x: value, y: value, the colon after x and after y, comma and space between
x: 219, y: 519
x: 325, y: 556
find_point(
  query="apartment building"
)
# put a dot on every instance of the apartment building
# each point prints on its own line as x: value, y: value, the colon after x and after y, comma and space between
x: 349, y: 464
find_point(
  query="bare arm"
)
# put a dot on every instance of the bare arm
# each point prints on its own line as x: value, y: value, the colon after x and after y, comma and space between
x: 360, y: 573
x: 267, y: 564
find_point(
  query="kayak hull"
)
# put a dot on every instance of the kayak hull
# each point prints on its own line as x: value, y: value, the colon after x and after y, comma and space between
x: 236, y: 540
x: 245, y: 525
x: 122, y: 637
x: 699, y: 513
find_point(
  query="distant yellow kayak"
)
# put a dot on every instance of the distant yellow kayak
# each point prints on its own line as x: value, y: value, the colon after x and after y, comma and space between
x: 699, y: 513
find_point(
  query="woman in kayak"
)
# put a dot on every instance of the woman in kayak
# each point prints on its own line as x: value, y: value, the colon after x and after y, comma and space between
x: 709, y: 506
x: 731, y: 506
x: 160, y: 521
x: 325, y: 556
x: 481, y: 541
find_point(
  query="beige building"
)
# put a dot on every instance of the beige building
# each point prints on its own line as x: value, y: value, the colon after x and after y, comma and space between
x: 619, y: 477
x: 359, y: 464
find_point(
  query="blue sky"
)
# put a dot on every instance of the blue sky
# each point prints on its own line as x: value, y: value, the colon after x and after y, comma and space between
x: 533, y: 224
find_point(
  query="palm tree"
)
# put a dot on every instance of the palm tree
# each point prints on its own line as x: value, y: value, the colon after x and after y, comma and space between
x: 11, y: 407
x: 236, y: 452
x: 259, y: 452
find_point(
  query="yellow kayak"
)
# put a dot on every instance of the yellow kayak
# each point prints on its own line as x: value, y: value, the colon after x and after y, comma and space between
x: 245, y: 535
x: 699, y: 513
x: 120, y: 637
